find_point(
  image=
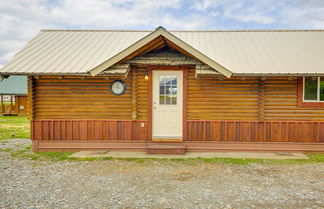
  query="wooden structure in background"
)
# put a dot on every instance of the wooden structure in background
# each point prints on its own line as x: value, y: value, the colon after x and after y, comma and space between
x: 13, y: 96
x: 17, y: 105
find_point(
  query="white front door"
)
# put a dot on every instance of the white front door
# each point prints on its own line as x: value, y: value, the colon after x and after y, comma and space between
x: 167, y: 104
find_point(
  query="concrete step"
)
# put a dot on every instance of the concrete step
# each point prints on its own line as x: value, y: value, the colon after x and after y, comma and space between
x: 165, y: 149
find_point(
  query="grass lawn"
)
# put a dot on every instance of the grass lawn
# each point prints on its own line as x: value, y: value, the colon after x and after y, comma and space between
x: 65, y: 156
x: 14, y: 127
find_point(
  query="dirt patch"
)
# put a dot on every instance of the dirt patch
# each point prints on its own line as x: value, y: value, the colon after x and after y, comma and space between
x: 183, y: 174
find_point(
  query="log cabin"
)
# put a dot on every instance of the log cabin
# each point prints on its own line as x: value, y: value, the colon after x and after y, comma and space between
x: 174, y: 90
x: 13, y: 96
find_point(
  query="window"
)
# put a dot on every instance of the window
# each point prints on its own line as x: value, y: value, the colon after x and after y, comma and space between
x: 168, y: 89
x: 313, y: 89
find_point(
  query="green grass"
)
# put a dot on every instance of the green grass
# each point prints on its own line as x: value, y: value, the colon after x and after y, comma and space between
x: 14, y: 127
x: 48, y: 156
x: 64, y: 156
x: 54, y: 156
x: 5, y: 150
x: 313, y: 158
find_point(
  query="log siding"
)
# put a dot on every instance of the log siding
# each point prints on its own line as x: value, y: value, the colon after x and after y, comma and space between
x: 238, y: 109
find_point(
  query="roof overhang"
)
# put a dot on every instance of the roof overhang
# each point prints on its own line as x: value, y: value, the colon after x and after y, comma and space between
x: 171, y: 39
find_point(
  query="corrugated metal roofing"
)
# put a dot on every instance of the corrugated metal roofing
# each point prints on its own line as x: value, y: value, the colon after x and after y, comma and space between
x: 241, y: 52
x: 14, y: 85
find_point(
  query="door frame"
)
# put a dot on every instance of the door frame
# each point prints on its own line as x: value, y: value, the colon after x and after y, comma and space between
x: 183, y: 68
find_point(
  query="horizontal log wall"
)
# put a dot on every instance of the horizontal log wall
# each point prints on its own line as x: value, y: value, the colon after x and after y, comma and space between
x: 75, y: 97
x: 255, y: 131
x: 281, y: 102
x: 238, y: 109
x: 209, y: 98
x: 89, y: 129
x: 247, y: 98
x: 141, y: 93
x: 219, y: 98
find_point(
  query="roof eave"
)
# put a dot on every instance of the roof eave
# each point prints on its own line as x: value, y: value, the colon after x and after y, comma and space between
x: 278, y: 74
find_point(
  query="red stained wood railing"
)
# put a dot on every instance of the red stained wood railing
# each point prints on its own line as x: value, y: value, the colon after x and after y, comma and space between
x: 87, y: 129
x: 255, y: 131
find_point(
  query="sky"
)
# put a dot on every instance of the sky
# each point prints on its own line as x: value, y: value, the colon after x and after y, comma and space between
x: 21, y: 20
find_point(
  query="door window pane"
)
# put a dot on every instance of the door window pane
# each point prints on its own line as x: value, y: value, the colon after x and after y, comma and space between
x: 162, y: 99
x: 168, y: 89
x: 321, y: 88
x: 310, y: 89
x: 167, y: 99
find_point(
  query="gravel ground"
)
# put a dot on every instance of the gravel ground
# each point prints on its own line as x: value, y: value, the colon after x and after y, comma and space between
x: 155, y: 184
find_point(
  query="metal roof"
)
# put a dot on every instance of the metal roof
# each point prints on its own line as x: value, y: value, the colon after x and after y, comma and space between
x: 275, y: 52
x: 14, y: 85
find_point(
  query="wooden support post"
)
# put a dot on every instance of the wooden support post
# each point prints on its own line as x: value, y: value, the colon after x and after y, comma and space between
x: 261, y: 99
x: 16, y: 104
x: 2, y: 107
x: 31, y: 97
x: 134, y: 95
x: 10, y: 109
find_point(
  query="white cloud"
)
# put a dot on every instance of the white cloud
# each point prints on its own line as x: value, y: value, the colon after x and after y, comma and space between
x: 249, y: 16
x: 20, y: 20
x: 242, y: 11
x: 312, y: 17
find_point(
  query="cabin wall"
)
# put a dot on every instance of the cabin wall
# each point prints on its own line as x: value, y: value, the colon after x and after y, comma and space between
x: 250, y: 109
x: 236, y: 110
x: 219, y: 98
x: 74, y: 97
x: 281, y: 101
x: 247, y: 98
x: 141, y: 97
x: 80, y: 98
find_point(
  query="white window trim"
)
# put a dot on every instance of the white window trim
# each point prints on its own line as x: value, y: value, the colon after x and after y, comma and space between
x: 318, y: 91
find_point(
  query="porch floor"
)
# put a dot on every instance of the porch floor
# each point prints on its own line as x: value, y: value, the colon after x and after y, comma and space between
x: 246, y: 155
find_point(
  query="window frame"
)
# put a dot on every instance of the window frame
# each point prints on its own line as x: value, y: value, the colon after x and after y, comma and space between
x: 301, y: 90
